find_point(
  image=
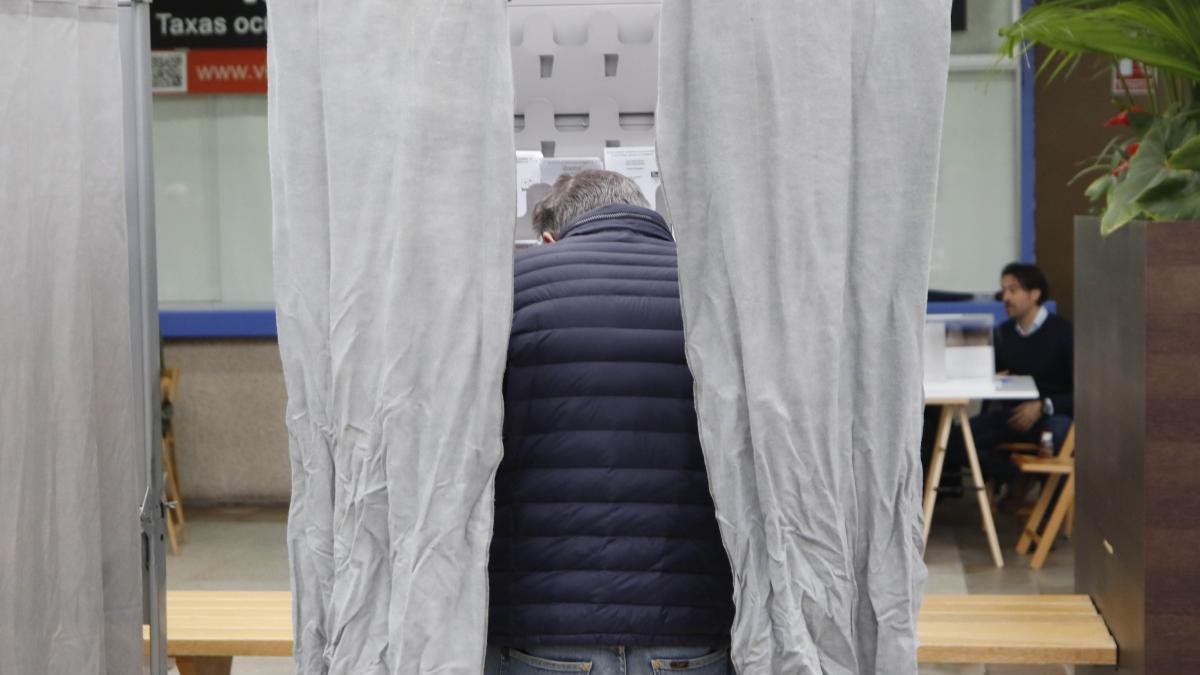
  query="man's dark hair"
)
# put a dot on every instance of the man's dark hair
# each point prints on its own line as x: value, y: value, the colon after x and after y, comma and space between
x: 574, y: 195
x: 1030, y: 277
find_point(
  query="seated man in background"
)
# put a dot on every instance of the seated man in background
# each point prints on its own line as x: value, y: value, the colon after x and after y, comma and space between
x: 606, y: 556
x: 1032, y: 342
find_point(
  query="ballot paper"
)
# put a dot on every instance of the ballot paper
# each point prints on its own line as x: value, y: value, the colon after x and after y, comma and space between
x: 529, y: 173
x: 639, y: 164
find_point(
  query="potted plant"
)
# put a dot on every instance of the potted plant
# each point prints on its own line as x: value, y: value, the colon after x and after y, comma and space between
x: 1153, y: 172
x: 1137, y: 328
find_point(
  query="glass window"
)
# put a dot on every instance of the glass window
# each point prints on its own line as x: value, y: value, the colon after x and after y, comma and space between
x: 978, y: 224
x: 212, y: 180
x: 213, y: 199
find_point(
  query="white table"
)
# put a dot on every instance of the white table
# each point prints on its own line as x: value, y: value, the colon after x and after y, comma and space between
x: 954, y: 395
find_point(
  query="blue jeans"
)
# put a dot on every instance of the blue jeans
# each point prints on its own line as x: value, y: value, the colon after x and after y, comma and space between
x: 608, y: 661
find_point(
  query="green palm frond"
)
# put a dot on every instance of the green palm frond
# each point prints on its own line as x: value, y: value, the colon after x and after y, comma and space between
x: 1152, y: 171
x: 1163, y: 34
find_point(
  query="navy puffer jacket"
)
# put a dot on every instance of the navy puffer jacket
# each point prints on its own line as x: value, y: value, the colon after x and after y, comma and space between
x: 605, y: 532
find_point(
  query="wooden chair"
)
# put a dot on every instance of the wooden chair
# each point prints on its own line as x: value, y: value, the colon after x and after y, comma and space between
x: 176, y: 524
x: 1024, y: 511
x: 1057, y: 470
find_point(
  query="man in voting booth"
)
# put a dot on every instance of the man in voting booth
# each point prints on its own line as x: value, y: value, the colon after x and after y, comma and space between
x: 606, y: 556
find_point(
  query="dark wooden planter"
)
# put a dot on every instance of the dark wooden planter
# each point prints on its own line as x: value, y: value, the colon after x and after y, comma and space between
x: 1137, y: 407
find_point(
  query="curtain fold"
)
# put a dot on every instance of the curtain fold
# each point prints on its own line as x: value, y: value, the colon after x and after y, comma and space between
x: 799, y: 145
x: 391, y: 141
x: 70, y: 581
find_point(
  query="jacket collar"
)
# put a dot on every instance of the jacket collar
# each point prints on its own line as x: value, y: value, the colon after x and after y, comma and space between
x: 619, y: 217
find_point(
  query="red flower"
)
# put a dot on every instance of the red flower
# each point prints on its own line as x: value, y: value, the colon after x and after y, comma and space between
x: 1131, y: 149
x: 1121, y: 168
x: 1121, y: 119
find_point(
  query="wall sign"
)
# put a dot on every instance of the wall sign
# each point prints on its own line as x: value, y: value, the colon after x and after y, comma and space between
x: 219, y: 24
x: 210, y: 47
x: 1130, y: 78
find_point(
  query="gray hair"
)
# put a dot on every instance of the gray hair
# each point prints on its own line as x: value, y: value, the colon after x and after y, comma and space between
x: 575, y: 195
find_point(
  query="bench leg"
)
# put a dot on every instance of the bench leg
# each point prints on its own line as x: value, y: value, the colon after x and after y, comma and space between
x: 204, y: 665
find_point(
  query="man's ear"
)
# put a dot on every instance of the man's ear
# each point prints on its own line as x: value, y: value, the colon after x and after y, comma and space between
x: 1037, y: 296
x: 547, y: 238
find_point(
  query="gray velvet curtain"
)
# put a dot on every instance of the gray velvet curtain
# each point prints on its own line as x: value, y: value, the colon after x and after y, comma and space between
x: 391, y: 140
x: 799, y: 144
x: 70, y: 581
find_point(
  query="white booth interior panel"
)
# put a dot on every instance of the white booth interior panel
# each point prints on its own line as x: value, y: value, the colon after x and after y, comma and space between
x: 571, y: 55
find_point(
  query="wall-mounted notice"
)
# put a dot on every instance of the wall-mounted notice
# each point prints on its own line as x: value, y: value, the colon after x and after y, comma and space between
x: 639, y: 164
x: 529, y: 173
x: 212, y: 24
x: 535, y: 175
x: 553, y: 167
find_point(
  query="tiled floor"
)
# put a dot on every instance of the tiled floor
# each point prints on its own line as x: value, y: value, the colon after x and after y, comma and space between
x: 959, y: 562
x: 243, y: 549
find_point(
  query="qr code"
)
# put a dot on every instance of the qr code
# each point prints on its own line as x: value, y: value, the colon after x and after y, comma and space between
x: 168, y: 71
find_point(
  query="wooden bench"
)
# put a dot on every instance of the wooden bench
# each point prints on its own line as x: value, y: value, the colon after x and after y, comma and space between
x: 206, y: 629
x: 1016, y: 629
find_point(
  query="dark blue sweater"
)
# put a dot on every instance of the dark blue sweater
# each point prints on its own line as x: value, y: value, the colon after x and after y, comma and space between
x: 1048, y: 355
x: 605, y: 531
